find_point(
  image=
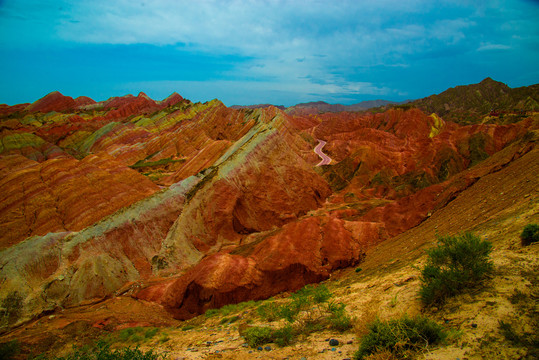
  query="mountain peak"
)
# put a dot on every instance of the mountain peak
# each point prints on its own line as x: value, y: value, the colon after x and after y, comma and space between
x: 53, y: 101
x: 172, y: 99
x: 143, y: 95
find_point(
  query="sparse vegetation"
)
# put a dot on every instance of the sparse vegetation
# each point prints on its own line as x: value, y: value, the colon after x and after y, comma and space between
x: 162, y: 162
x: 102, y: 351
x: 526, y: 339
x: 137, y: 334
x: 9, y: 349
x: 456, y: 263
x: 530, y: 234
x: 308, y: 310
x: 229, y: 309
x: 400, y: 337
x: 11, y: 309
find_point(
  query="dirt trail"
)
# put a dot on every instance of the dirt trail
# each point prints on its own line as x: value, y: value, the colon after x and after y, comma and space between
x: 326, y: 160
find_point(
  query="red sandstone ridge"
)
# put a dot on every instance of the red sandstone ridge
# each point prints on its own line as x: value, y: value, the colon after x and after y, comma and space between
x: 63, y: 194
x: 54, y: 101
x: 8, y: 110
x: 84, y: 100
x: 302, y: 252
x: 130, y: 105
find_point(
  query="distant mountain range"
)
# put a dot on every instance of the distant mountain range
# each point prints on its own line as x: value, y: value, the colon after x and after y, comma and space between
x: 317, y: 107
x: 464, y: 104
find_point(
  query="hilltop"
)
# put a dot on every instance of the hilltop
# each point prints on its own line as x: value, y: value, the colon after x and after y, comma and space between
x: 134, y: 212
x: 475, y: 103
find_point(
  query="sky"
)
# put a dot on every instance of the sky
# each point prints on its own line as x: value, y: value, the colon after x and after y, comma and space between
x: 253, y: 51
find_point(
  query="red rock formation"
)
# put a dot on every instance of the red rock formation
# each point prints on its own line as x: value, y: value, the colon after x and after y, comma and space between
x: 84, y: 100
x: 63, y: 194
x: 171, y: 100
x: 302, y: 252
x: 129, y: 105
x: 8, y: 110
x: 54, y: 101
x: 254, y: 215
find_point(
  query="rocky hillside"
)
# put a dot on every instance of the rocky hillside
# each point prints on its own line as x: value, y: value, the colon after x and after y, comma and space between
x: 485, y: 101
x: 185, y: 207
x: 323, y: 107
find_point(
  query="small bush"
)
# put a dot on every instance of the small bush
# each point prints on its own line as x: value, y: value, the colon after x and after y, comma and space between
x: 339, y: 319
x: 269, y: 311
x: 530, y: 234
x: 456, y: 263
x: 400, y: 336
x: 256, y: 336
x: 283, y: 336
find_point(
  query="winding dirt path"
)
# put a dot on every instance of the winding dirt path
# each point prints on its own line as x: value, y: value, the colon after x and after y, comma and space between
x: 318, y: 150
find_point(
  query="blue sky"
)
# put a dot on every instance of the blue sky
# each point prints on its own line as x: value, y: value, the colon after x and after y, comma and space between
x: 249, y: 52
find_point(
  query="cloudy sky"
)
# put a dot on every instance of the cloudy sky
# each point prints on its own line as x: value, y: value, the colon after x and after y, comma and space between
x: 249, y: 52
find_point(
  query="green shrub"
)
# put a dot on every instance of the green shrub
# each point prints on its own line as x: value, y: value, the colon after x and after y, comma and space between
x: 211, y: 312
x: 283, y: 336
x: 456, y: 263
x: 269, y: 311
x: 530, y: 234
x: 150, y: 333
x: 400, y: 337
x: 102, y: 351
x: 255, y: 336
x: 339, y: 319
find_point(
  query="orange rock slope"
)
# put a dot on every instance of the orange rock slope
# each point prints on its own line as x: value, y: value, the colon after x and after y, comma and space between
x: 194, y: 206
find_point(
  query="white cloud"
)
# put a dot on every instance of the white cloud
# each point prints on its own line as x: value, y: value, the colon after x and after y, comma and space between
x: 309, y: 46
x: 490, y: 47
